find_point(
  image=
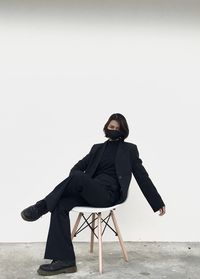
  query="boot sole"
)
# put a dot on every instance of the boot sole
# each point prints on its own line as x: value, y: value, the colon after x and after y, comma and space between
x: 70, y: 269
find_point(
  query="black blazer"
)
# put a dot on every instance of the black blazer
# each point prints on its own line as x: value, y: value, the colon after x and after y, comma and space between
x: 127, y: 162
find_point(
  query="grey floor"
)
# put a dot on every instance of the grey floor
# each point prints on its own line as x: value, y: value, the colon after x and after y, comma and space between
x: 150, y: 260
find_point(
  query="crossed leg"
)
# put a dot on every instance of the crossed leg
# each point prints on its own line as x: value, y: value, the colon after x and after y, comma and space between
x: 80, y: 190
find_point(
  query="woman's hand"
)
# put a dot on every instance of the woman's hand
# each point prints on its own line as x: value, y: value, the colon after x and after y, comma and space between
x: 162, y: 211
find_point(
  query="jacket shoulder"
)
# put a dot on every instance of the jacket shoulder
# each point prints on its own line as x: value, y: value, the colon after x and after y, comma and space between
x: 96, y: 146
x: 131, y: 144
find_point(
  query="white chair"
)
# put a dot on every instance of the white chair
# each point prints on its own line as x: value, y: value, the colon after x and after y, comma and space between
x: 93, y: 212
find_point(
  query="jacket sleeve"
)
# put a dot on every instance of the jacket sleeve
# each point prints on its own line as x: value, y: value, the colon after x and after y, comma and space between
x: 146, y: 185
x: 82, y: 164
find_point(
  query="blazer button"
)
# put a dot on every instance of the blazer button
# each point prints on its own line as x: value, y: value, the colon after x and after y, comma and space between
x: 119, y: 176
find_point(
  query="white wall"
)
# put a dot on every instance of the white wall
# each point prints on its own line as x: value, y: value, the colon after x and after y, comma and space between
x: 63, y: 71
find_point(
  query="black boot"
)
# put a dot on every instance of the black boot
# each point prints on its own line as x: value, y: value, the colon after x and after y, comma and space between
x: 56, y: 267
x: 35, y: 211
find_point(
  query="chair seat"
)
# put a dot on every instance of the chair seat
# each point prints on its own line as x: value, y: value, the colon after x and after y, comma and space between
x: 93, y: 209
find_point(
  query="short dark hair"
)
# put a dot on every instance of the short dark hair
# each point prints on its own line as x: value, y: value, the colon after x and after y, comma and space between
x: 122, y: 123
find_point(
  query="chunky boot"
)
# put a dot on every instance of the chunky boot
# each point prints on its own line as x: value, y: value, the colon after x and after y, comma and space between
x: 56, y: 267
x: 34, y: 212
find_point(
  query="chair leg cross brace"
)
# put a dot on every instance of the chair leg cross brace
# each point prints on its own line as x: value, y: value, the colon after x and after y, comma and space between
x: 92, y: 227
x: 81, y: 228
x: 88, y: 225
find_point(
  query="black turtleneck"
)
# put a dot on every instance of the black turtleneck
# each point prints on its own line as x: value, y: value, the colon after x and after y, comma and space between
x: 107, y: 162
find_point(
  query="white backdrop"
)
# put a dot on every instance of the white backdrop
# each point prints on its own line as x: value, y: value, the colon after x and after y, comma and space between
x: 64, y: 69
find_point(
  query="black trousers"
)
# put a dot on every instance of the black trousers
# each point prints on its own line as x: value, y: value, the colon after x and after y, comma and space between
x: 78, y: 189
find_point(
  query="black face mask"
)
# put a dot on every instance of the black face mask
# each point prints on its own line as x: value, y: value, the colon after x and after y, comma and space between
x: 114, y: 134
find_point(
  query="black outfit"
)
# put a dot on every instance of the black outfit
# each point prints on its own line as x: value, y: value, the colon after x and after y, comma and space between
x: 107, y: 163
x: 99, y: 179
x: 79, y: 189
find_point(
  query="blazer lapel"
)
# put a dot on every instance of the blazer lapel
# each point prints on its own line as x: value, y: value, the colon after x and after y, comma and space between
x: 121, y: 158
x: 98, y: 157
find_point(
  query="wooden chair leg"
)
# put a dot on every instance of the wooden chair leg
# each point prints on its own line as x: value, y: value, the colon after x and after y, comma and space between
x: 119, y: 236
x: 76, y: 225
x: 100, y: 243
x: 92, y: 234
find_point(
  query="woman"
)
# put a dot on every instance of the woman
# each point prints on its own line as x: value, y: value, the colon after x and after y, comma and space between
x: 100, y: 179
